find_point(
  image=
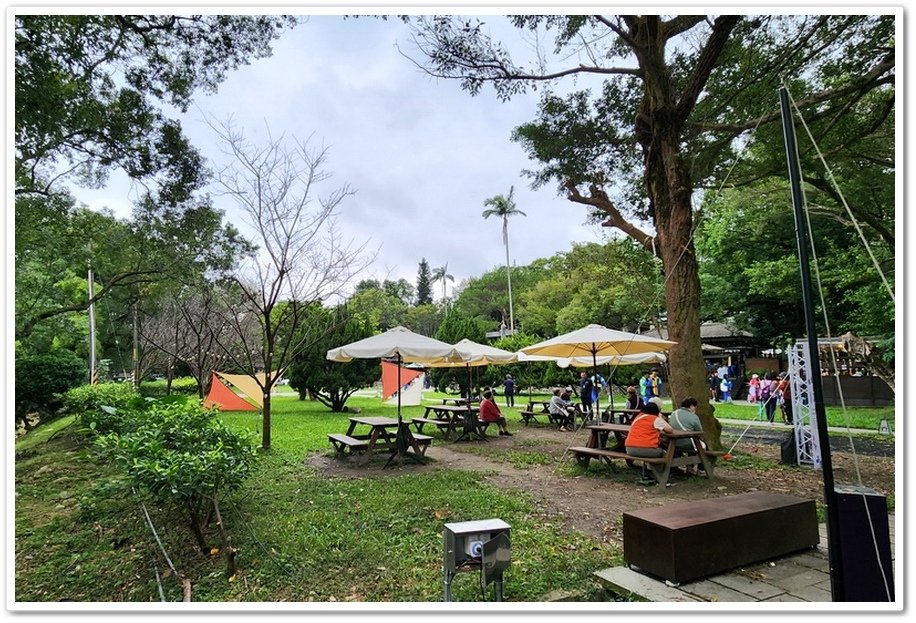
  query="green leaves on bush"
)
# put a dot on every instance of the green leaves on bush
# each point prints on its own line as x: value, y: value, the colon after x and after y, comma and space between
x: 87, y: 401
x: 182, y: 456
x: 42, y: 379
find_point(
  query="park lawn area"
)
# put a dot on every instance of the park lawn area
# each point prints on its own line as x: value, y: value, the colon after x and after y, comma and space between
x: 301, y: 535
x: 854, y: 417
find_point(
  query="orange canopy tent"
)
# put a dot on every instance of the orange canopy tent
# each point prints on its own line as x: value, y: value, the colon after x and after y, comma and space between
x: 390, y: 378
x: 222, y: 396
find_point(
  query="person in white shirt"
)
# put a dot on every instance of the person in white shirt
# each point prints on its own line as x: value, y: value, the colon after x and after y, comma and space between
x: 560, y: 406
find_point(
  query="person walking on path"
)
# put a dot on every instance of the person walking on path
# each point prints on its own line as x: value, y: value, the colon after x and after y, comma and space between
x: 655, y: 384
x: 768, y: 397
x: 753, y: 388
x: 509, y: 389
x: 645, y: 386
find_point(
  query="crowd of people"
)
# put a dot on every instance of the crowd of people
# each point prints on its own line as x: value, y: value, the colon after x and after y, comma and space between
x: 771, y: 392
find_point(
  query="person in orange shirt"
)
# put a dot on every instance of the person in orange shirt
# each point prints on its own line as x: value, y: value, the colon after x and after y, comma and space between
x: 645, y: 433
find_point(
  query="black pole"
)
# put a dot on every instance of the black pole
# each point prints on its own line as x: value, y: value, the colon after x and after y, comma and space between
x: 801, y: 233
x: 594, y: 381
x: 399, y: 389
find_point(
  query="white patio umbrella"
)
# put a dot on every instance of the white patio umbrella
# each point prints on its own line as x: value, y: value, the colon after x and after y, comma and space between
x: 585, y: 362
x: 475, y: 354
x: 595, y: 340
x: 402, y: 344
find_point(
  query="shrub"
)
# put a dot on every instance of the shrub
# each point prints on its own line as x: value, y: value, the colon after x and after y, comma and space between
x: 185, y: 459
x: 102, y: 407
x: 185, y: 385
x: 42, y: 379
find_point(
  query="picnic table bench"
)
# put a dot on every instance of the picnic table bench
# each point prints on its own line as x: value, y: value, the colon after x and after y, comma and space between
x: 531, y: 413
x: 443, y: 425
x: 660, y: 466
x: 343, y: 443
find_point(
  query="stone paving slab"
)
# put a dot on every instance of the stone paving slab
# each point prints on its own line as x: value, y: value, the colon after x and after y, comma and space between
x: 745, y: 585
x: 625, y: 581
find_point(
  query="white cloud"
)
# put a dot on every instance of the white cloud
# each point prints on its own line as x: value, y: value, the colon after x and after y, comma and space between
x: 422, y: 154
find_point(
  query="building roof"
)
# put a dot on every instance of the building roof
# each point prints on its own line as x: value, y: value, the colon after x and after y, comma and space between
x: 708, y: 330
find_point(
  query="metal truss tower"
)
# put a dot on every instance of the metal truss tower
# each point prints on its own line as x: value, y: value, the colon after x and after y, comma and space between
x: 807, y: 447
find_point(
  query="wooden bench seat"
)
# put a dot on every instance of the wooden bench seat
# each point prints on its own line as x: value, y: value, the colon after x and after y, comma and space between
x: 419, y: 422
x: 342, y: 443
x: 528, y: 416
x: 660, y: 466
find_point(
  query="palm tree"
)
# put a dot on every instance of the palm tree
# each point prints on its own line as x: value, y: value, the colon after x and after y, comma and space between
x: 504, y: 207
x: 441, y: 274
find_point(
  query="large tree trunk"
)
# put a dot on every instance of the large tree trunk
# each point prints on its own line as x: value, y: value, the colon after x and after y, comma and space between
x: 670, y: 189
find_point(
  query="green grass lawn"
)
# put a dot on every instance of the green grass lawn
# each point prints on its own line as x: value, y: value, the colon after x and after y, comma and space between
x: 301, y: 535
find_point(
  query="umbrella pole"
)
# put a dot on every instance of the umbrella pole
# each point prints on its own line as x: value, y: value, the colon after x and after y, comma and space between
x: 401, y: 440
x: 595, y: 380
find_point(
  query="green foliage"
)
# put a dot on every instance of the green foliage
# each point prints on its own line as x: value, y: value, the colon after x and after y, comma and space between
x: 102, y: 408
x: 185, y: 385
x: 329, y: 382
x: 424, y: 284
x: 424, y: 319
x: 87, y: 88
x: 182, y: 456
x: 377, y: 309
x: 42, y: 379
x: 759, y: 285
x: 453, y: 329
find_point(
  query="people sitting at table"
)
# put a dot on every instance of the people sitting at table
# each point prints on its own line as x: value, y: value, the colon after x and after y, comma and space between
x: 686, y: 418
x: 490, y: 413
x: 561, y: 407
x: 645, y: 433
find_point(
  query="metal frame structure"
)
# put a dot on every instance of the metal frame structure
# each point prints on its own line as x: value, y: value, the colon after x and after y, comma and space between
x: 807, y: 447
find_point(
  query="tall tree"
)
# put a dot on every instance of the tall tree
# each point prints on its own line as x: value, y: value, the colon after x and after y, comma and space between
x: 442, y: 274
x: 675, y: 94
x: 504, y: 207
x: 424, y: 284
x: 301, y: 258
x: 328, y: 382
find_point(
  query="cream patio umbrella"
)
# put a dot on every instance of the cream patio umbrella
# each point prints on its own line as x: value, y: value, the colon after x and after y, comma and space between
x: 401, y: 344
x: 611, y: 360
x: 475, y: 354
x: 595, y: 340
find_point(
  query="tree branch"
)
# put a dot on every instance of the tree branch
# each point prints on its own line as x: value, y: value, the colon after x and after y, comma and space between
x: 599, y: 200
x: 706, y: 62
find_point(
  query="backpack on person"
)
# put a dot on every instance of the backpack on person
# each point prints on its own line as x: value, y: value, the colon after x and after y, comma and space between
x: 766, y: 386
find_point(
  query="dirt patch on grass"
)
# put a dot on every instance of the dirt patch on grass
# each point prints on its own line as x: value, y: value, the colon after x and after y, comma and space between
x: 535, y: 460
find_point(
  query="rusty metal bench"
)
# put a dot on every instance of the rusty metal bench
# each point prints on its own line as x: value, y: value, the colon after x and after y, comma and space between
x: 690, y: 540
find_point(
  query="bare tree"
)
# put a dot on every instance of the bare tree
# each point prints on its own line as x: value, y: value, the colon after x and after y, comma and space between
x: 186, y: 330
x: 301, y: 258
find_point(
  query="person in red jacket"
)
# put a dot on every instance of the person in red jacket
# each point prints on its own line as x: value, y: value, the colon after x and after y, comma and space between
x: 645, y: 432
x: 489, y: 412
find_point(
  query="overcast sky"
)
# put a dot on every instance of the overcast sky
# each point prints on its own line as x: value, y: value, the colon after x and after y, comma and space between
x: 422, y: 154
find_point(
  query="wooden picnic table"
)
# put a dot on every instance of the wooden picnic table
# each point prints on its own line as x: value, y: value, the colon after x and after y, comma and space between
x: 379, y: 437
x: 458, y: 401
x: 445, y: 417
x: 598, y: 447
